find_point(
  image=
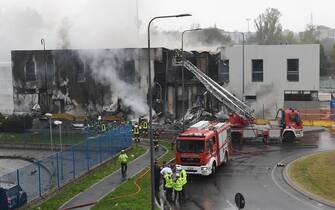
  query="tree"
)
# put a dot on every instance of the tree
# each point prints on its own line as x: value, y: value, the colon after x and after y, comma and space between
x: 268, y: 27
x: 310, y: 35
x: 211, y: 36
x: 323, y: 61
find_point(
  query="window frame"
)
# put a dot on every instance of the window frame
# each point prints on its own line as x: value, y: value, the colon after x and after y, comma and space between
x: 294, y: 73
x: 257, y: 71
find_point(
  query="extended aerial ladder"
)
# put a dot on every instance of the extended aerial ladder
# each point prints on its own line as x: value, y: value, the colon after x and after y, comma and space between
x: 233, y: 103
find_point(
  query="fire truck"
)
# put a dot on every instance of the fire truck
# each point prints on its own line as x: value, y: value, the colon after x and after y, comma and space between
x: 203, y: 147
x: 285, y: 127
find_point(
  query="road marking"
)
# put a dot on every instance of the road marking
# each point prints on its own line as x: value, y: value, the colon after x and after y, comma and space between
x: 287, y: 192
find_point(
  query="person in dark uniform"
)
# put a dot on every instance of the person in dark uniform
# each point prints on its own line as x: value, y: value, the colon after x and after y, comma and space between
x: 157, y: 172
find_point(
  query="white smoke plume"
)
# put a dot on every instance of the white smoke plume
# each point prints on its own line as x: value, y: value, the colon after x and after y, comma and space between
x: 106, y: 66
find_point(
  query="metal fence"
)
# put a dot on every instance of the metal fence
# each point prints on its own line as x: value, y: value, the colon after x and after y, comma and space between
x: 59, y: 168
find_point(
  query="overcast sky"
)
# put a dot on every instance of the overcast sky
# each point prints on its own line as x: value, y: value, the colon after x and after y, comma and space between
x: 112, y: 23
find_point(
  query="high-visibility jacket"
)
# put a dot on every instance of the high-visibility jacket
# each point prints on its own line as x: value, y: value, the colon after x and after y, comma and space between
x: 145, y: 125
x: 183, y: 176
x: 168, y: 180
x: 123, y: 158
x: 136, y: 130
x: 178, y: 184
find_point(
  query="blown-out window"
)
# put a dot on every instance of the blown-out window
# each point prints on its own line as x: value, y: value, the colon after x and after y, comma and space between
x: 30, y: 71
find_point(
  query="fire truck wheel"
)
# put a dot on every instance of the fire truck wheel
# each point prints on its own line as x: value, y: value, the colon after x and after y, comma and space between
x: 288, y: 137
x: 213, y: 168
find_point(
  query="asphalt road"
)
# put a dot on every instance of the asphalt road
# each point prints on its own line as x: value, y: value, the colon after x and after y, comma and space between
x: 254, y: 173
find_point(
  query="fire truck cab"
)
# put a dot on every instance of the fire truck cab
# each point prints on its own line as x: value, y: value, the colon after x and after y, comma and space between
x: 204, y: 147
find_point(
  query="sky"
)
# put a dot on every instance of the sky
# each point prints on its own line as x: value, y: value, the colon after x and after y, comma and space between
x: 113, y: 23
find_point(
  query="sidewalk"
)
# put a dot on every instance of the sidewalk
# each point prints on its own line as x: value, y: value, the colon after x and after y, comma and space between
x: 109, y: 183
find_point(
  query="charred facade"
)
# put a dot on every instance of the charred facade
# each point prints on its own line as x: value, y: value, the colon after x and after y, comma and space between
x: 61, y: 81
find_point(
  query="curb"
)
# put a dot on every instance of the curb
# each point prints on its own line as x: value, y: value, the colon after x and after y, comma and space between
x: 299, y: 189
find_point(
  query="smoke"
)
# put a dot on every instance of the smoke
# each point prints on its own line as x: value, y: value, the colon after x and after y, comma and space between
x: 64, y: 33
x: 106, y: 67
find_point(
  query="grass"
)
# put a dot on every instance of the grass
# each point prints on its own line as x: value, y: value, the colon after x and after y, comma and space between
x: 128, y: 196
x: 79, y: 185
x: 316, y: 174
x: 41, y: 137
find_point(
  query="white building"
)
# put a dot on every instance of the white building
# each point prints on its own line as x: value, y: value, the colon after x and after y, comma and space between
x: 6, y: 87
x: 275, y: 76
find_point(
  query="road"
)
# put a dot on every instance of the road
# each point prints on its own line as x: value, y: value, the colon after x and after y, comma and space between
x: 253, y: 172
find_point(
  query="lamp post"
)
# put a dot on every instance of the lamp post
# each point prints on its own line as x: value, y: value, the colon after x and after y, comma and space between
x: 45, y: 73
x: 182, y: 73
x: 49, y: 115
x: 59, y: 123
x: 150, y: 108
x: 243, y: 63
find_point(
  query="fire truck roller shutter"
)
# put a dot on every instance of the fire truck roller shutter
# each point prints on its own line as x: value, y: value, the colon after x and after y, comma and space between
x: 222, y: 141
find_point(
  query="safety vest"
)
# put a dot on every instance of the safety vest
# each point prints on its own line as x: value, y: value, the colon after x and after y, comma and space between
x: 145, y: 125
x: 183, y: 176
x: 123, y: 158
x: 168, y: 181
x: 136, y: 130
x: 178, y: 185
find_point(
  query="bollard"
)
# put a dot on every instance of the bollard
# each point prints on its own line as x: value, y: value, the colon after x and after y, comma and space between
x: 18, y: 183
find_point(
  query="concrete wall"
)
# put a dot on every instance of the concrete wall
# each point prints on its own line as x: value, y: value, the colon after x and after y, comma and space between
x: 270, y: 92
x: 6, y: 88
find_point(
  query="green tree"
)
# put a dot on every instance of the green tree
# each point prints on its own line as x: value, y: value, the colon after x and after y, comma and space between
x: 310, y: 35
x: 323, y: 61
x: 212, y: 36
x: 289, y: 38
x: 268, y: 27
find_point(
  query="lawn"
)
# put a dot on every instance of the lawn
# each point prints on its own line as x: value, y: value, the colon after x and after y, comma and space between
x: 135, y: 193
x: 41, y: 137
x: 70, y: 190
x: 316, y: 173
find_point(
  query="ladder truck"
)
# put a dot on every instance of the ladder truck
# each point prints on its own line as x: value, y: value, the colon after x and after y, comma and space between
x: 286, y: 127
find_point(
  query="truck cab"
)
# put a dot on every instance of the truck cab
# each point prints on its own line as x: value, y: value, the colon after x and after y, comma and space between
x: 203, y: 147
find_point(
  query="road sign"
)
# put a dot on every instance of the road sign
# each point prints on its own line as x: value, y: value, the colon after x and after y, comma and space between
x: 239, y: 200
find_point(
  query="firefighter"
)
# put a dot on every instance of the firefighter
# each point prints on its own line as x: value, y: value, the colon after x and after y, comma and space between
x: 156, y: 140
x: 123, y: 158
x: 178, y: 187
x: 168, y: 186
x: 145, y: 126
x: 183, y: 176
x: 136, y: 133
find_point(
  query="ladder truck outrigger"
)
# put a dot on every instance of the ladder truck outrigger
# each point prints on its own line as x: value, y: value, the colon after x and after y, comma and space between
x: 286, y: 126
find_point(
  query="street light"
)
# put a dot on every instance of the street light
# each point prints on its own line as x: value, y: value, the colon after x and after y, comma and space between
x: 45, y: 73
x: 150, y: 108
x: 59, y: 123
x: 243, y: 63
x: 49, y: 115
x: 182, y: 73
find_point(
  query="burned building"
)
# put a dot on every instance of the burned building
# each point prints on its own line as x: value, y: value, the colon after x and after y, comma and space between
x: 84, y: 82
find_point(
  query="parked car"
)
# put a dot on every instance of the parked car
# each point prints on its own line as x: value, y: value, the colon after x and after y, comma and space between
x: 11, y: 196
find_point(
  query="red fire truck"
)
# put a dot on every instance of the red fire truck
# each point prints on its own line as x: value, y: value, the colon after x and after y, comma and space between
x: 203, y: 147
